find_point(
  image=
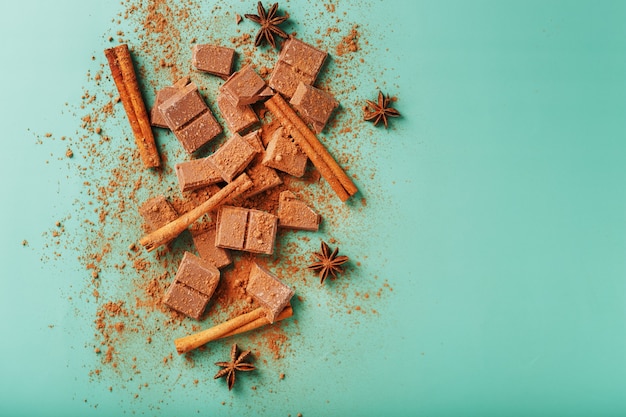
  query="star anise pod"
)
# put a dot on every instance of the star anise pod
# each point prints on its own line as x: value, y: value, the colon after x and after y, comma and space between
x: 236, y: 364
x: 269, y: 24
x: 328, y: 263
x: 376, y: 112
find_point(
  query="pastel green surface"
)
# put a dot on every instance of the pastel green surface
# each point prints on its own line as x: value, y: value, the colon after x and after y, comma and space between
x: 496, y: 212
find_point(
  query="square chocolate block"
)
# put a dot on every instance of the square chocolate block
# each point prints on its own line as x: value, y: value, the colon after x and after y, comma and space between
x: 285, y: 80
x: 157, y: 212
x: 284, y: 155
x: 268, y: 291
x: 245, y: 87
x: 314, y: 105
x: 204, y: 240
x: 261, y: 233
x: 231, y: 227
x: 191, y: 120
x: 294, y: 213
x: 237, y: 118
x: 216, y: 60
x: 195, y: 174
x: 185, y: 300
x: 198, y: 274
x: 302, y: 57
x: 232, y: 157
x: 156, y: 118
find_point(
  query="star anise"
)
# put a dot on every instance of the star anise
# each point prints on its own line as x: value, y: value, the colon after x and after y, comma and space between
x: 328, y: 263
x: 236, y: 364
x: 269, y: 24
x: 375, y: 112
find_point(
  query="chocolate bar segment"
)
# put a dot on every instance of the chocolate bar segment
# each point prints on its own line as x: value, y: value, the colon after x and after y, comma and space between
x: 284, y: 155
x: 185, y: 300
x: 237, y: 118
x: 294, y: 213
x: 232, y: 223
x: 261, y: 233
x: 314, y: 105
x: 245, y: 87
x: 204, y: 240
x: 298, y: 62
x: 191, y: 120
x: 195, y: 174
x: 157, y: 212
x: 156, y: 117
x: 232, y: 157
x: 270, y: 292
x: 285, y: 80
x: 214, y: 59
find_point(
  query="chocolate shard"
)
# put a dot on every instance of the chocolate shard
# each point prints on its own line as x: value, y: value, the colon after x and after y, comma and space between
x: 263, y: 178
x: 270, y: 292
x: 191, y: 120
x: 238, y: 118
x: 261, y: 233
x: 232, y: 157
x: 314, y: 105
x: 156, y: 117
x: 298, y: 62
x: 195, y: 174
x: 214, y: 59
x: 204, y: 239
x: 157, y: 212
x: 245, y: 87
x: 294, y: 213
x: 185, y: 300
x: 284, y: 155
x: 246, y: 229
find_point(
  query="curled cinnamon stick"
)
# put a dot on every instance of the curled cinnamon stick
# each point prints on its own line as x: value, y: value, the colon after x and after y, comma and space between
x: 168, y: 232
x: 125, y: 79
x: 314, y: 149
x: 239, y: 324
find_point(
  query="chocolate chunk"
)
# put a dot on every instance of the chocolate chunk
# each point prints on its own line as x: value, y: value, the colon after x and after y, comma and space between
x: 193, y: 286
x: 263, y: 178
x: 294, y: 213
x: 156, y: 117
x: 232, y: 157
x: 246, y: 229
x: 231, y: 227
x: 237, y: 118
x: 157, y: 212
x: 314, y: 105
x: 298, y: 62
x: 216, y: 60
x: 195, y: 174
x: 185, y: 300
x: 261, y: 232
x: 204, y: 240
x: 191, y: 120
x: 270, y: 292
x: 284, y: 155
x: 245, y: 87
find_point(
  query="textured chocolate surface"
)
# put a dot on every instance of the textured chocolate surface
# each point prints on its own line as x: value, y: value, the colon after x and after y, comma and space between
x: 298, y: 62
x: 157, y: 212
x: 156, y: 117
x: 231, y: 227
x: 204, y: 240
x: 245, y: 87
x: 261, y: 233
x: 195, y: 174
x: 185, y: 300
x: 214, y: 59
x: 294, y: 213
x: 246, y: 229
x: 314, y: 105
x: 238, y: 118
x: 284, y: 155
x: 270, y: 292
x: 232, y: 157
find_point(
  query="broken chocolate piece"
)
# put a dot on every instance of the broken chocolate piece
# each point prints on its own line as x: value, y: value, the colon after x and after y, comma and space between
x: 195, y: 174
x: 270, y: 292
x: 237, y: 118
x: 232, y: 157
x: 246, y: 229
x: 314, y: 105
x: 284, y: 155
x: 157, y: 212
x: 294, y: 213
x: 245, y: 87
x: 191, y: 120
x: 156, y: 117
x: 204, y: 240
x: 216, y: 60
x: 193, y: 286
x: 298, y: 62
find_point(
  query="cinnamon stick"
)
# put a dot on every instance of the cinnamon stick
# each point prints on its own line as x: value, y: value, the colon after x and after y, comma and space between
x: 240, y: 324
x: 125, y: 79
x: 339, y: 181
x: 168, y: 232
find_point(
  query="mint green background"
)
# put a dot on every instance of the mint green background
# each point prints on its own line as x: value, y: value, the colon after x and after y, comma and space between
x: 501, y: 225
